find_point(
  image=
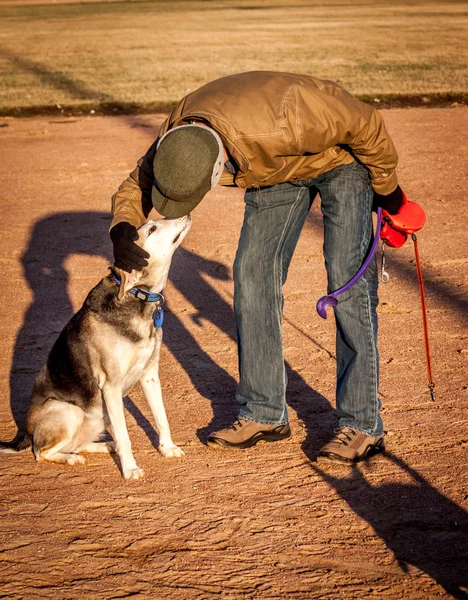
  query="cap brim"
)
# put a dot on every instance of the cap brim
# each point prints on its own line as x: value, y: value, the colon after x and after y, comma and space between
x: 173, y: 209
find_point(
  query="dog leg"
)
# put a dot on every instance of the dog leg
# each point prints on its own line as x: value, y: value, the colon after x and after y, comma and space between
x: 123, y: 446
x: 66, y: 458
x: 152, y: 389
x: 55, y: 431
x: 99, y: 447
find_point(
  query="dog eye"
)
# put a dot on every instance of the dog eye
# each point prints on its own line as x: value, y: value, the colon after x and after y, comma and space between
x: 152, y: 230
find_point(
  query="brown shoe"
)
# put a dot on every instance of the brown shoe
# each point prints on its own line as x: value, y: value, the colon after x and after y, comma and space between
x: 350, y: 446
x: 244, y: 434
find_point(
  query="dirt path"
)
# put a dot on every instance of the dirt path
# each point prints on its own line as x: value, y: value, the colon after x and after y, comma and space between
x: 263, y: 523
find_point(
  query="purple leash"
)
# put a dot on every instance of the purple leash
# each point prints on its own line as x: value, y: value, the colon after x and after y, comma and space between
x: 331, y: 299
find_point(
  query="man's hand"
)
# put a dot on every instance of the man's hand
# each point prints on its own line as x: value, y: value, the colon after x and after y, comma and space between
x: 127, y: 255
x: 391, y: 203
x: 398, y: 226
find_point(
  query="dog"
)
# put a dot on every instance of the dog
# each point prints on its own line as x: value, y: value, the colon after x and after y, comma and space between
x: 112, y: 342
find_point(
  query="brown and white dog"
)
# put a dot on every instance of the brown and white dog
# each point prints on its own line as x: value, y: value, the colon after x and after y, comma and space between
x: 112, y: 342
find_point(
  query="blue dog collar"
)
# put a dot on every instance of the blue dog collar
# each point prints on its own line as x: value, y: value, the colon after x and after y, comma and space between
x: 158, y: 314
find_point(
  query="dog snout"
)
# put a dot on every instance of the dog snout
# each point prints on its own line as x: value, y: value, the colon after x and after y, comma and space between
x: 185, y: 220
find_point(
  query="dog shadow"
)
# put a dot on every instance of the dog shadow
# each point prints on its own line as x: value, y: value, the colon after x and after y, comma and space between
x: 52, y: 241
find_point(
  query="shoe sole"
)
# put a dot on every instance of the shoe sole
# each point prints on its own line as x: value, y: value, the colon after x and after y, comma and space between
x: 332, y: 458
x: 220, y: 444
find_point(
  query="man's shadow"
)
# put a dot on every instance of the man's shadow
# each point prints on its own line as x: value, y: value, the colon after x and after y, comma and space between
x: 418, y: 524
x: 53, y: 239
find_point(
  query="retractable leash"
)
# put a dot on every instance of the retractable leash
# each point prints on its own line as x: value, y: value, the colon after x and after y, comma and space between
x: 430, y: 381
x: 393, y: 230
x: 394, y: 233
x: 385, y: 277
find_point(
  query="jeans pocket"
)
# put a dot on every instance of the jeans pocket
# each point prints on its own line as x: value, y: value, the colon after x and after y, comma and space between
x: 269, y: 197
x: 357, y: 172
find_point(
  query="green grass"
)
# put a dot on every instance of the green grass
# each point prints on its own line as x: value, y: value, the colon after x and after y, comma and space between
x: 153, y: 53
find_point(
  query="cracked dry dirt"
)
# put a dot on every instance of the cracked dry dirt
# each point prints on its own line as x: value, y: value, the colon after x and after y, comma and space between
x: 267, y: 522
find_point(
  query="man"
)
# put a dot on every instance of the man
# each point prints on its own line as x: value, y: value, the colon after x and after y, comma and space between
x: 282, y: 137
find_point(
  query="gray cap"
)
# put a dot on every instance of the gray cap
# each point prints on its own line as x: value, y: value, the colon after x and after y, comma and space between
x: 188, y: 163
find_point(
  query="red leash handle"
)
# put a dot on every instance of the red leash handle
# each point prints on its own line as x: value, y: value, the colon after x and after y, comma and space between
x: 431, y: 383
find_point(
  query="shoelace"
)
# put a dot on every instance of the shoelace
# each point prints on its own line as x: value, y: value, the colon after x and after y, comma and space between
x: 236, y: 425
x: 342, y: 436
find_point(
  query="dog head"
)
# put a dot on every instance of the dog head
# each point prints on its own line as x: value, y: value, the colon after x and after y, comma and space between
x: 160, y: 239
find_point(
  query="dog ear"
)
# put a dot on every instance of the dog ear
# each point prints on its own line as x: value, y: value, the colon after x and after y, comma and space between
x: 127, y: 281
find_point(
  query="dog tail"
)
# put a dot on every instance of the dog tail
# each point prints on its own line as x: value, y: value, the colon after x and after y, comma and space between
x: 21, y: 443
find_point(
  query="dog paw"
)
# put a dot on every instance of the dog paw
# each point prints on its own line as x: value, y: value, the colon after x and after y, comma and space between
x: 135, y: 473
x: 170, y: 451
x: 76, y: 459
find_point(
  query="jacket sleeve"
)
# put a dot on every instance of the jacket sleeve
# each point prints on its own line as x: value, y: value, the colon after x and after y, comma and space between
x: 331, y: 116
x: 132, y: 201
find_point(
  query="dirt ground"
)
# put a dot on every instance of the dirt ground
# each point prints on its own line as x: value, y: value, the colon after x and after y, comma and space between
x: 262, y: 523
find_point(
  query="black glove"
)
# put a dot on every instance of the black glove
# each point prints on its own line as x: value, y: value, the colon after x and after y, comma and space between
x: 127, y: 254
x: 391, y: 203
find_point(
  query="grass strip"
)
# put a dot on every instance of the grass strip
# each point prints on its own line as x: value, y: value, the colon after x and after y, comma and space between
x: 437, y: 100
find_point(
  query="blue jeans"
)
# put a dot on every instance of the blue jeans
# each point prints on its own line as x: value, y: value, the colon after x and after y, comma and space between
x: 274, y: 217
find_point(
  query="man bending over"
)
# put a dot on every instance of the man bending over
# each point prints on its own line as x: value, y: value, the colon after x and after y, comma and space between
x: 282, y: 137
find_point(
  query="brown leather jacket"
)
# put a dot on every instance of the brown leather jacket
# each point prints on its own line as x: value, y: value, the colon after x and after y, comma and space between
x: 277, y: 127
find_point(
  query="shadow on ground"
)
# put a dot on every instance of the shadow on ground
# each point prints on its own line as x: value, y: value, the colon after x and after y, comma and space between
x: 418, y: 524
